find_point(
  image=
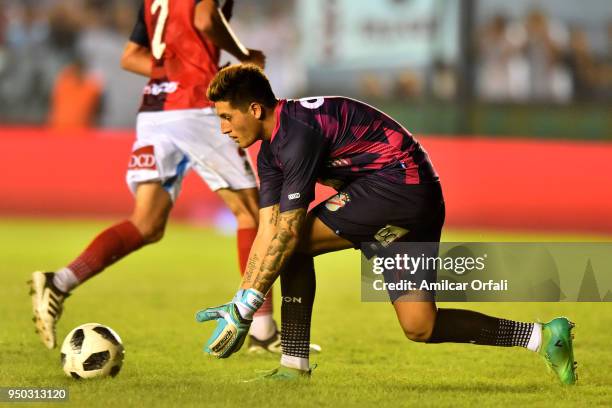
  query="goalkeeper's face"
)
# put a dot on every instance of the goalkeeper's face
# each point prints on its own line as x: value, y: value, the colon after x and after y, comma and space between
x: 244, y: 126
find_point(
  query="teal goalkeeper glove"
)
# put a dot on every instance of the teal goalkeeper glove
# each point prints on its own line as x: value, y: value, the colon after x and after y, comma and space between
x: 233, y: 322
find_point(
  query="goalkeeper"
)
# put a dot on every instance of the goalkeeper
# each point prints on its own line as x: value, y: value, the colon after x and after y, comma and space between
x: 388, y: 191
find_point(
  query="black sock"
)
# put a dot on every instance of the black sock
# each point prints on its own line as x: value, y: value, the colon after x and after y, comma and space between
x: 298, y: 286
x: 466, y: 326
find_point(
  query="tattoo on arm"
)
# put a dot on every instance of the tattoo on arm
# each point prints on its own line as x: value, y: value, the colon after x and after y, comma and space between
x: 274, y: 215
x: 253, y: 261
x: 281, y: 248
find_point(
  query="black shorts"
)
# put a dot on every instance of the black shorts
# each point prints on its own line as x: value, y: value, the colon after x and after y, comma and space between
x: 368, y: 209
x: 373, y: 213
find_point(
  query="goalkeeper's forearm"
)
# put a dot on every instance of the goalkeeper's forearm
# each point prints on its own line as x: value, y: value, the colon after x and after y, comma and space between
x: 272, y: 248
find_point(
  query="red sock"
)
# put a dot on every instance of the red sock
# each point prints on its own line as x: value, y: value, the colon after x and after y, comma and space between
x: 111, y: 245
x: 246, y: 236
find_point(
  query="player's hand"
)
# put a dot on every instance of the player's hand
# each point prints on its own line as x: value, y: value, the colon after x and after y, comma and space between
x: 256, y: 57
x: 230, y: 332
x: 233, y: 322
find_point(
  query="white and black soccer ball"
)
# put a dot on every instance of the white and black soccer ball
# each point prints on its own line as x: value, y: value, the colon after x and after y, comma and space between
x: 92, y: 350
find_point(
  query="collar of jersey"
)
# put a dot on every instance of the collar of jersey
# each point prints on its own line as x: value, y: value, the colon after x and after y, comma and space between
x: 277, y: 113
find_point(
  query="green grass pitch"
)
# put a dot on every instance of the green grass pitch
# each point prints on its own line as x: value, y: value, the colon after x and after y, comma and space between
x: 150, y: 299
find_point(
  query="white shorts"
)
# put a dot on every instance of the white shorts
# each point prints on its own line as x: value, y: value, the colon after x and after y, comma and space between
x: 170, y: 143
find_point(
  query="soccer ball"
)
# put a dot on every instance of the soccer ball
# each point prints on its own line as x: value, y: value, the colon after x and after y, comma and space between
x: 92, y: 350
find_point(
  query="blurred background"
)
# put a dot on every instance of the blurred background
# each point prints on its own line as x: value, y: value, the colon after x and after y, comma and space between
x: 511, y: 99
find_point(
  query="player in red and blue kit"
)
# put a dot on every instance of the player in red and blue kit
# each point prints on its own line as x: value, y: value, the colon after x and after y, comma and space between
x: 388, y: 191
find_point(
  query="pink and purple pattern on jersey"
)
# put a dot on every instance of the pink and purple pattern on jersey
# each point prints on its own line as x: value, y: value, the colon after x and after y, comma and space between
x: 361, y: 139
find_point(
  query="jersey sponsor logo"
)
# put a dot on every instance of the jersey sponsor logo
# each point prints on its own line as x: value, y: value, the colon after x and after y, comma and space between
x: 294, y: 196
x: 338, y: 201
x: 163, y: 87
x: 143, y: 159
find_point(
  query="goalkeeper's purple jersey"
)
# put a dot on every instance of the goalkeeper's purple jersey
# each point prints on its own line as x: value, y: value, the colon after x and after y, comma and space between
x: 335, y: 140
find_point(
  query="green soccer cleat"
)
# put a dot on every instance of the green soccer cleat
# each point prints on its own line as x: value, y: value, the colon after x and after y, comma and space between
x: 283, y: 373
x: 557, y: 349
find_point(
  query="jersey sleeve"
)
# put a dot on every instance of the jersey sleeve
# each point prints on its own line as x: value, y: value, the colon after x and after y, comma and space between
x: 139, y: 34
x: 300, y: 156
x: 270, y: 177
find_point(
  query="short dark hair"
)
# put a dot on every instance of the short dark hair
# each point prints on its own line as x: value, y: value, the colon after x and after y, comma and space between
x: 240, y: 85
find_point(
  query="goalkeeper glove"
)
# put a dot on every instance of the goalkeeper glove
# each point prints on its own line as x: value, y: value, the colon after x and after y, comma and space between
x: 233, y: 322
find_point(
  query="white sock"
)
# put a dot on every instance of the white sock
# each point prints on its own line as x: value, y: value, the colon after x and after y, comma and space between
x: 65, y: 280
x: 535, y: 341
x: 299, y: 363
x: 263, y: 327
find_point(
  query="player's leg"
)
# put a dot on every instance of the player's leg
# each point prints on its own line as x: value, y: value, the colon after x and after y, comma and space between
x: 154, y: 176
x: 146, y: 225
x: 244, y: 204
x: 319, y: 238
x: 151, y: 211
x: 552, y: 340
x: 298, y: 286
x: 421, y: 321
x: 416, y: 318
x: 329, y: 227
